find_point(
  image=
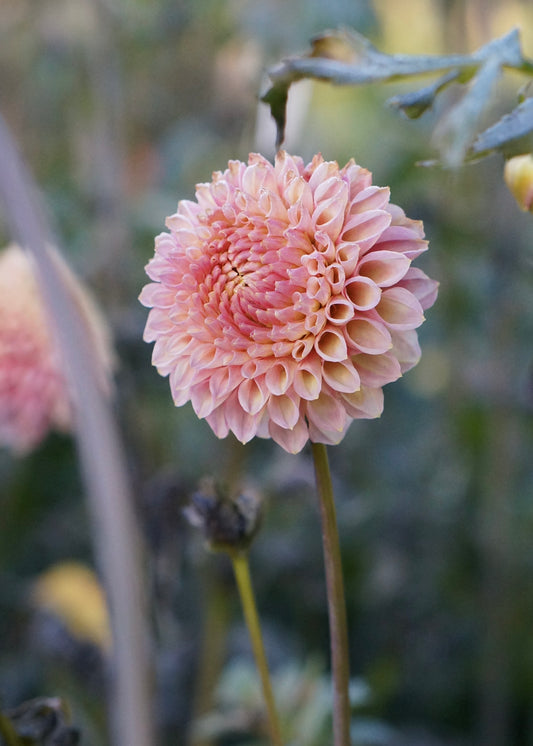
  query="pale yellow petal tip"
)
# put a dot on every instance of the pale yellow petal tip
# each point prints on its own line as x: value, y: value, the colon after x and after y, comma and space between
x: 518, y: 175
x: 72, y: 592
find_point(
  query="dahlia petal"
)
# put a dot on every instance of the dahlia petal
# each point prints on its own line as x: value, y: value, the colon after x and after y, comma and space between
x: 348, y: 256
x: 339, y: 311
x: 217, y: 422
x: 336, y: 277
x: 370, y: 198
x: 341, y: 376
x: 368, y: 335
x: 178, y: 343
x: 328, y: 437
x: 287, y: 166
x: 366, y: 228
x: 422, y: 287
x: 321, y: 170
x: 291, y: 439
x: 363, y: 293
x: 400, y: 309
x: 385, y: 268
x: 255, y: 367
x: 325, y: 246
x: 284, y: 410
x: 331, y: 345
x: 158, y: 295
x: 308, y: 379
x: 243, y: 425
x: 328, y: 189
x: 326, y: 413
x: 299, y: 192
x: 402, y: 238
x: 367, y: 403
x: 224, y: 380
x: 280, y: 376
x: 302, y: 348
x: 202, y: 399
x: 202, y: 355
x: 377, y: 370
x: 156, y: 324
x: 162, y: 358
x: 329, y: 215
x: 252, y: 395
x: 406, y: 349
x: 318, y: 288
x: 181, y: 377
x: 314, y: 263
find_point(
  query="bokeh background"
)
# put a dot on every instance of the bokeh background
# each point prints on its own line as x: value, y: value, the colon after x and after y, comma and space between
x: 120, y: 108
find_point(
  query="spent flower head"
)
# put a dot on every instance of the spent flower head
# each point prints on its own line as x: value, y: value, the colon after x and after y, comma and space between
x: 283, y: 299
x: 228, y: 523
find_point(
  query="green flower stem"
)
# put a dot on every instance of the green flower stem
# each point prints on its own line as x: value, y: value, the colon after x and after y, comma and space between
x: 241, y: 569
x: 336, y: 603
x: 7, y: 732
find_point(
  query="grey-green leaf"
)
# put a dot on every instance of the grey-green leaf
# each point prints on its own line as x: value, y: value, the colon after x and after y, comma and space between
x: 511, y: 135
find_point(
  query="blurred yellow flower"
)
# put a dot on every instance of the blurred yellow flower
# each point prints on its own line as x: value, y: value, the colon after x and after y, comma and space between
x: 518, y: 175
x: 72, y: 592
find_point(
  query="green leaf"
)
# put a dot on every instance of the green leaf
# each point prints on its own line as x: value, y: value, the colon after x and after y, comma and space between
x: 455, y: 131
x: 348, y: 58
x: 416, y: 103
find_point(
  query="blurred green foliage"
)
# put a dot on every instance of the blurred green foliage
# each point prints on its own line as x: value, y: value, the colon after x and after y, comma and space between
x: 120, y: 108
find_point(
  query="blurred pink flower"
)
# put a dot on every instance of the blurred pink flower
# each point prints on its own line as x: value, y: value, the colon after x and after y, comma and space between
x: 33, y: 392
x: 283, y: 299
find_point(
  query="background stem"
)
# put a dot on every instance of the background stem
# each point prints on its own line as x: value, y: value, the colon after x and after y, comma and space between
x: 116, y: 535
x: 336, y: 603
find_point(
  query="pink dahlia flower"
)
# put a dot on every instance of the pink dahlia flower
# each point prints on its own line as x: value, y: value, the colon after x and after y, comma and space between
x: 33, y: 391
x: 284, y: 299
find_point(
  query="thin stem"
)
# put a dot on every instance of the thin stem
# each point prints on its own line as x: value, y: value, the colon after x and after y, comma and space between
x: 241, y: 569
x: 336, y: 603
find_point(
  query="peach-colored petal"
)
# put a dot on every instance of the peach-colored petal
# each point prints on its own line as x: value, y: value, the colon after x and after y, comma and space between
x: 385, y: 268
x: 377, y: 370
x: 341, y: 376
x: 252, y: 395
x: 363, y: 293
x: 308, y: 378
x: 293, y: 439
x: 400, y: 309
x: 283, y: 299
x: 421, y: 286
x: 284, y: 410
x: 366, y: 403
x: 368, y: 335
x: 326, y: 413
x: 406, y: 349
x: 331, y: 345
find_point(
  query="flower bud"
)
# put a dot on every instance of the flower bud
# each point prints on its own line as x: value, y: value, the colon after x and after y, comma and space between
x: 518, y: 175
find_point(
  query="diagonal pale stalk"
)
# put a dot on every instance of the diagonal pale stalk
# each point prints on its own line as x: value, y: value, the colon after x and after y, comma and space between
x: 116, y: 533
x: 241, y: 569
x: 336, y: 602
